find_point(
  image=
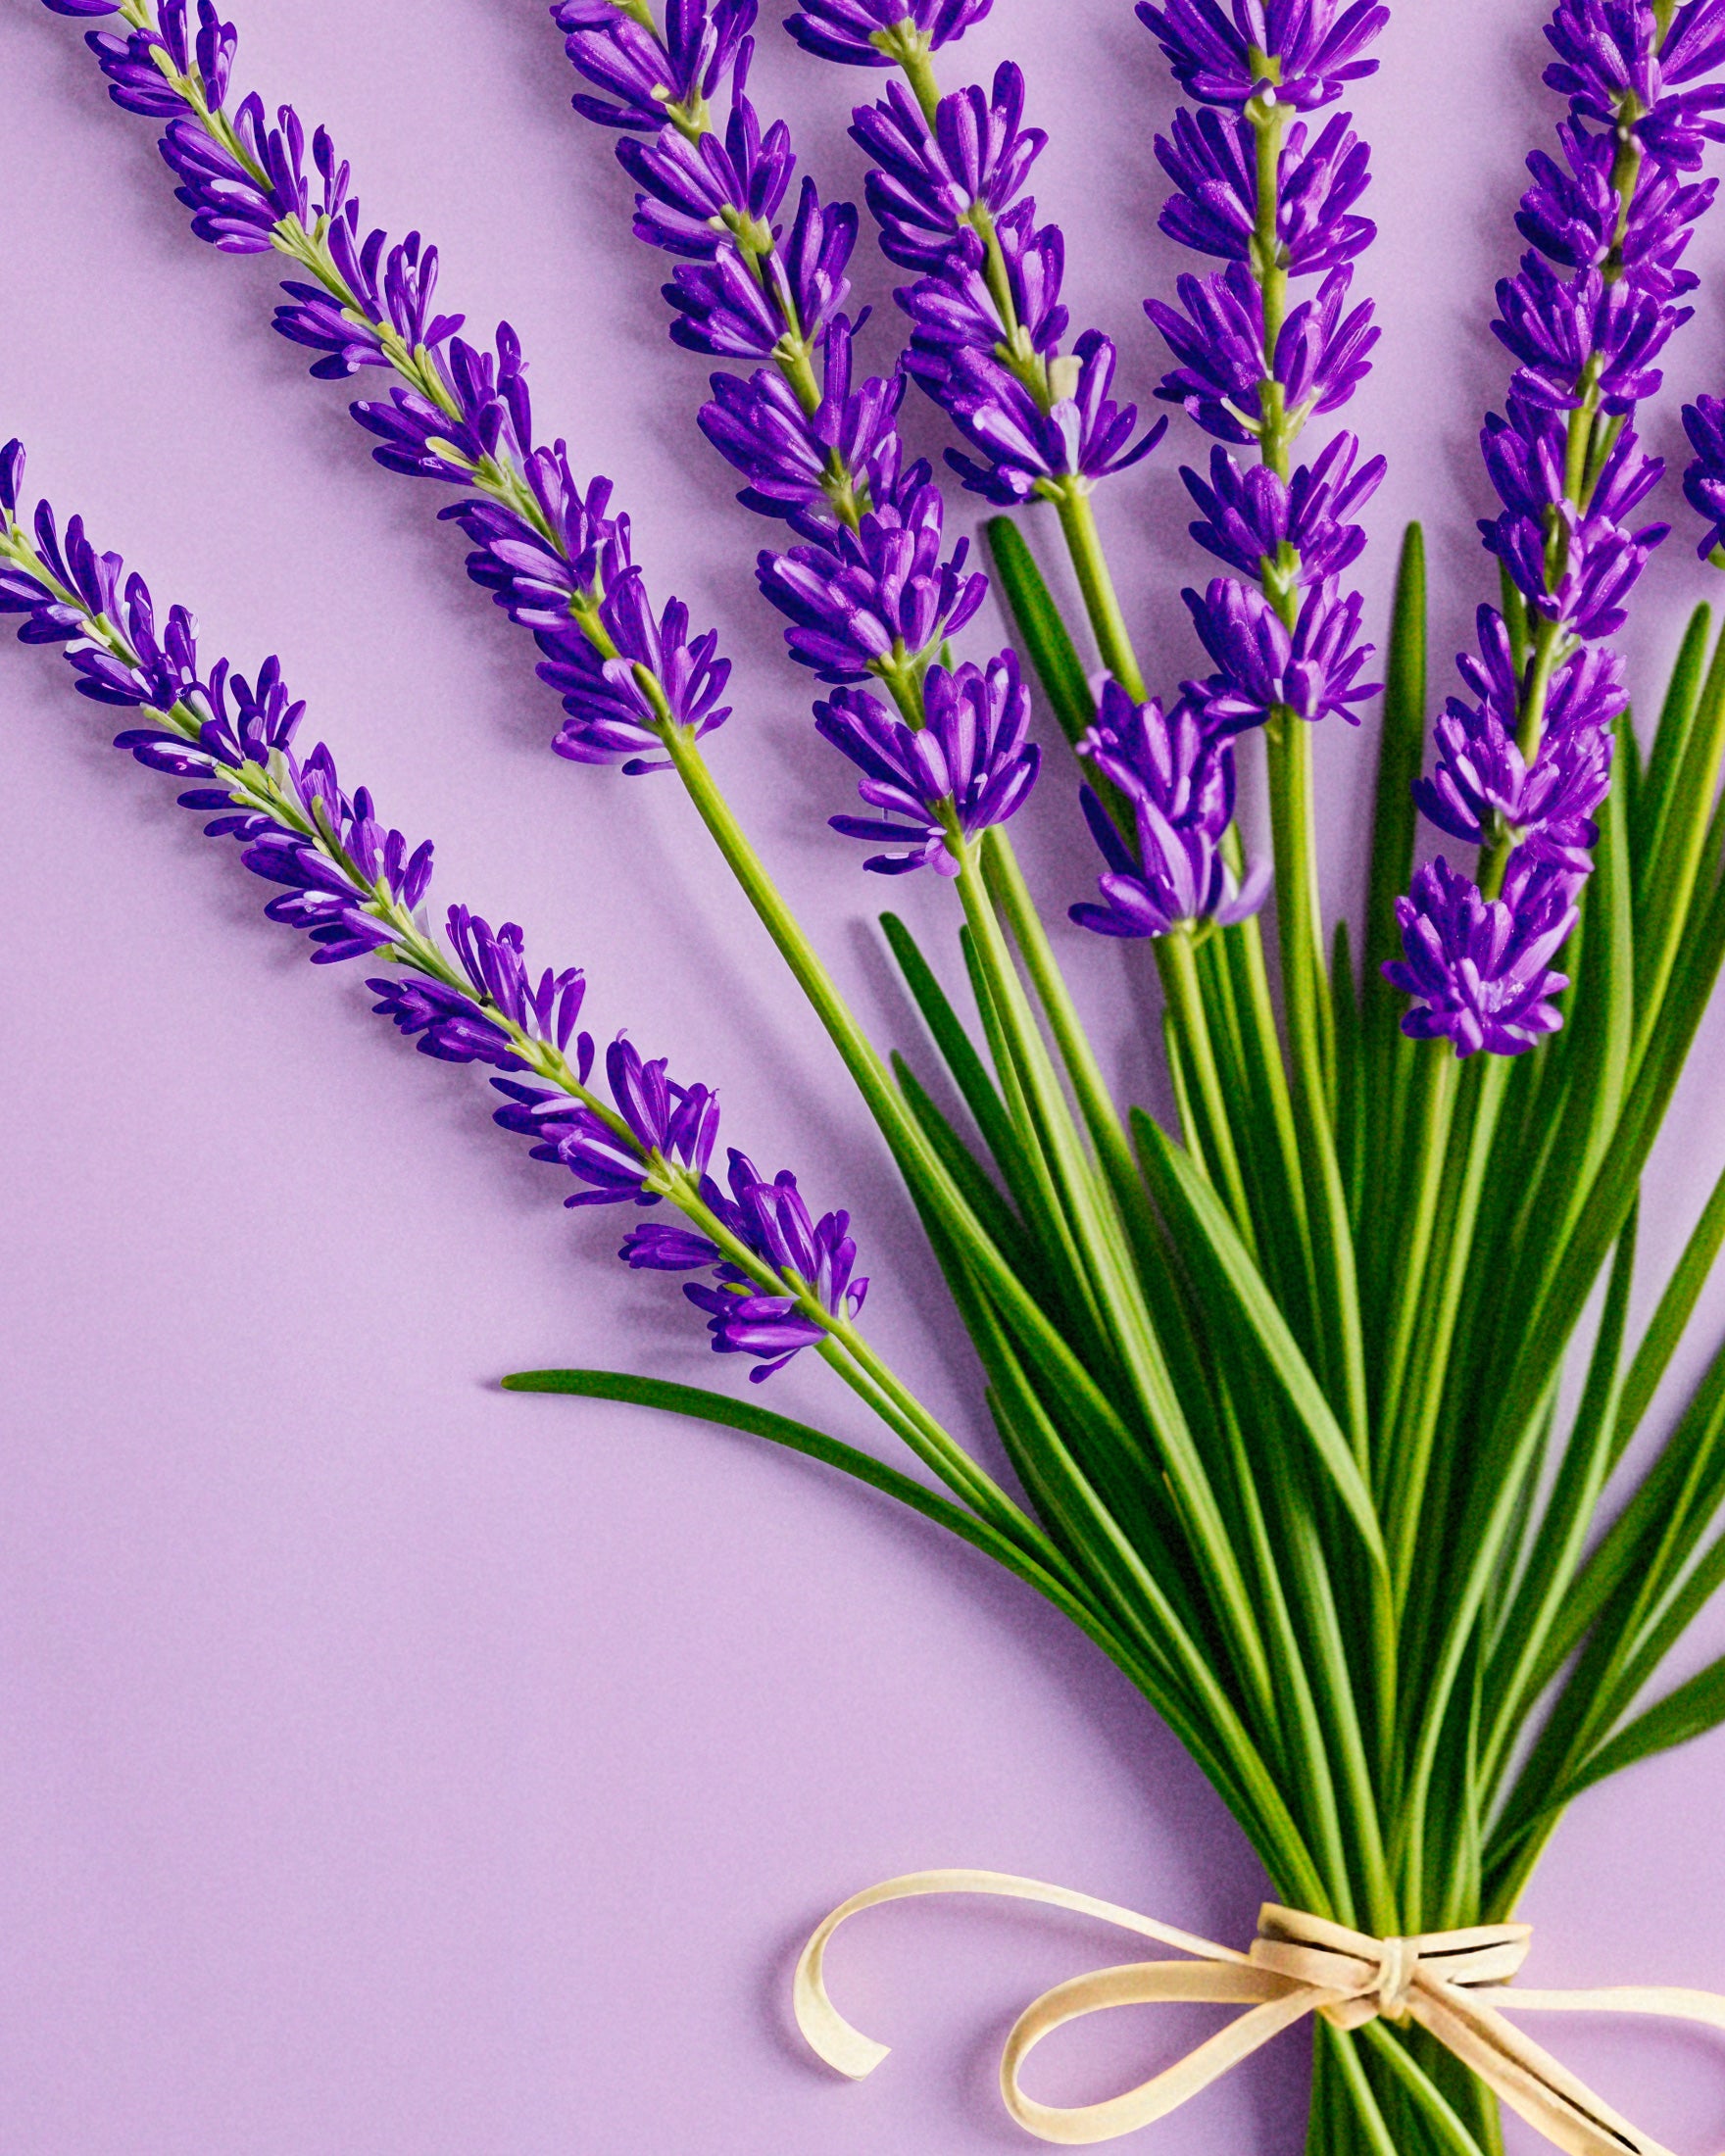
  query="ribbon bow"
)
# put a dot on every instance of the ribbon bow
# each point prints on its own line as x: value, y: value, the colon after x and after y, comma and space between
x: 1298, y: 1964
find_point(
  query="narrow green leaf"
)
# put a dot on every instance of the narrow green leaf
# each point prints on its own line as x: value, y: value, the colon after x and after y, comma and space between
x: 1350, y: 1074
x: 1667, y: 1329
x: 963, y: 1063
x: 1401, y: 752
x: 1206, y: 1238
x: 700, y: 1405
x: 997, y: 1220
x: 1691, y: 1710
x: 1672, y: 865
x: 1041, y: 628
x: 1677, y: 715
x: 1565, y: 1521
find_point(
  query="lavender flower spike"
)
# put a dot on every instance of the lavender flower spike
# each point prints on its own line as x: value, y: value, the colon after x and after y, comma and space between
x: 1180, y: 783
x: 357, y: 889
x: 871, y: 591
x: 987, y: 317
x: 1523, y: 764
x: 555, y: 554
x: 969, y: 766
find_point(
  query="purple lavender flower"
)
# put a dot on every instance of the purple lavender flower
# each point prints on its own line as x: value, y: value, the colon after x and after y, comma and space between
x: 868, y: 591
x: 723, y: 309
x: 876, y: 599
x: 1264, y: 668
x: 1620, y: 67
x: 772, y: 1220
x: 356, y: 888
x: 871, y: 34
x: 1704, y: 483
x: 1082, y: 435
x: 1217, y: 334
x: 968, y: 766
x: 1575, y: 336
x: 1572, y: 212
x: 694, y: 192
x: 923, y: 183
x: 641, y: 73
x: 1484, y: 785
x: 665, y: 1123
x: 1212, y: 163
x: 1480, y: 968
x: 1307, y: 50
x: 987, y: 319
x: 817, y: 470
x: 1286, y: 532
x: 1179, y: 779
x: 619, y: 705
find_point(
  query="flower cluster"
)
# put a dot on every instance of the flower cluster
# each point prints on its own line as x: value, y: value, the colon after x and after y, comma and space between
x: 355, y: 888
x: 869, y: 587
x: 1178, y: 777
x: 1524, y: 759
x: 772, y: 1221
x: 878, y: 33
x: 1307, y: 50
x: 987, y: 319
x: 555, y: 557
x: 969, y: 765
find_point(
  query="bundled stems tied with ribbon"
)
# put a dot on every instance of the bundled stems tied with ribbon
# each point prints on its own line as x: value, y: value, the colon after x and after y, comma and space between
x: 1450, y: 1984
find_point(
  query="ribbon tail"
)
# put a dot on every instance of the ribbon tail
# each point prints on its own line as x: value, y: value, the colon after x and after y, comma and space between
x: 1535, y: 2085
x: 847, y: 2051
x: 1276, y: 2002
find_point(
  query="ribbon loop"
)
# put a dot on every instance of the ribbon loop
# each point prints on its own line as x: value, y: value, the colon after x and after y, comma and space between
x: 1298, y: 1963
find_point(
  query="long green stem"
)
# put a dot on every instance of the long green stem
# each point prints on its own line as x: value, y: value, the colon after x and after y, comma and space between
x: 1305, y: 998
x: 1178, y: 965
x: 1102, y: 603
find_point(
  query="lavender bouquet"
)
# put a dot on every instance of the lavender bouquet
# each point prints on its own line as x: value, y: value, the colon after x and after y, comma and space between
x: 1277, y: 1380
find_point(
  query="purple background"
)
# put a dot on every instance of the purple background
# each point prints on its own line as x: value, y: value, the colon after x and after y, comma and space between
x: 399, y: 1769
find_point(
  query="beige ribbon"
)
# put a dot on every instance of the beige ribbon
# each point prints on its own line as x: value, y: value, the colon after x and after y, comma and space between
x: 1298, y: 1964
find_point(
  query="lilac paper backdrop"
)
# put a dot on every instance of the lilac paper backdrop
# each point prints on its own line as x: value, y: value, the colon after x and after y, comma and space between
x: 395, y: 1769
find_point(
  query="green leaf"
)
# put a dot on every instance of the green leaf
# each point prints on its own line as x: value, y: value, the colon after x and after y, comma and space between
x: 1565, y: 1522
x: 963, y: 1063
x: 1677, y: 715
x: 1401, y: 753
x: 1041, y: 629
x: 1690, y: 1711
x: 1667, y: 1329
x: 997, y: 1220
x: 1681, y: 817
x: 1256, y: 1328
x: 700, y: 1405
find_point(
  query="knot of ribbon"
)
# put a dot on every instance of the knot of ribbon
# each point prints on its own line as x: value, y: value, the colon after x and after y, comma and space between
x: 1451, y: 1982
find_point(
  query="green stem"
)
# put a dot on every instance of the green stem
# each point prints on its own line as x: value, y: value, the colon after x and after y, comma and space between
x: 1437, y: 1089
x: 1306, y: 999
x: 1178, y: 965
x: 1102, y: 602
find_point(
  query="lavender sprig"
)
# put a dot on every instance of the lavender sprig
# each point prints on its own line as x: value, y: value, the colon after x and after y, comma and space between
x: 1524, y: 761
x: 870, y: 591
x: 356, y: 889
x: 554, y: 555
x: 1276, y: 203
x: 947, y: 191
